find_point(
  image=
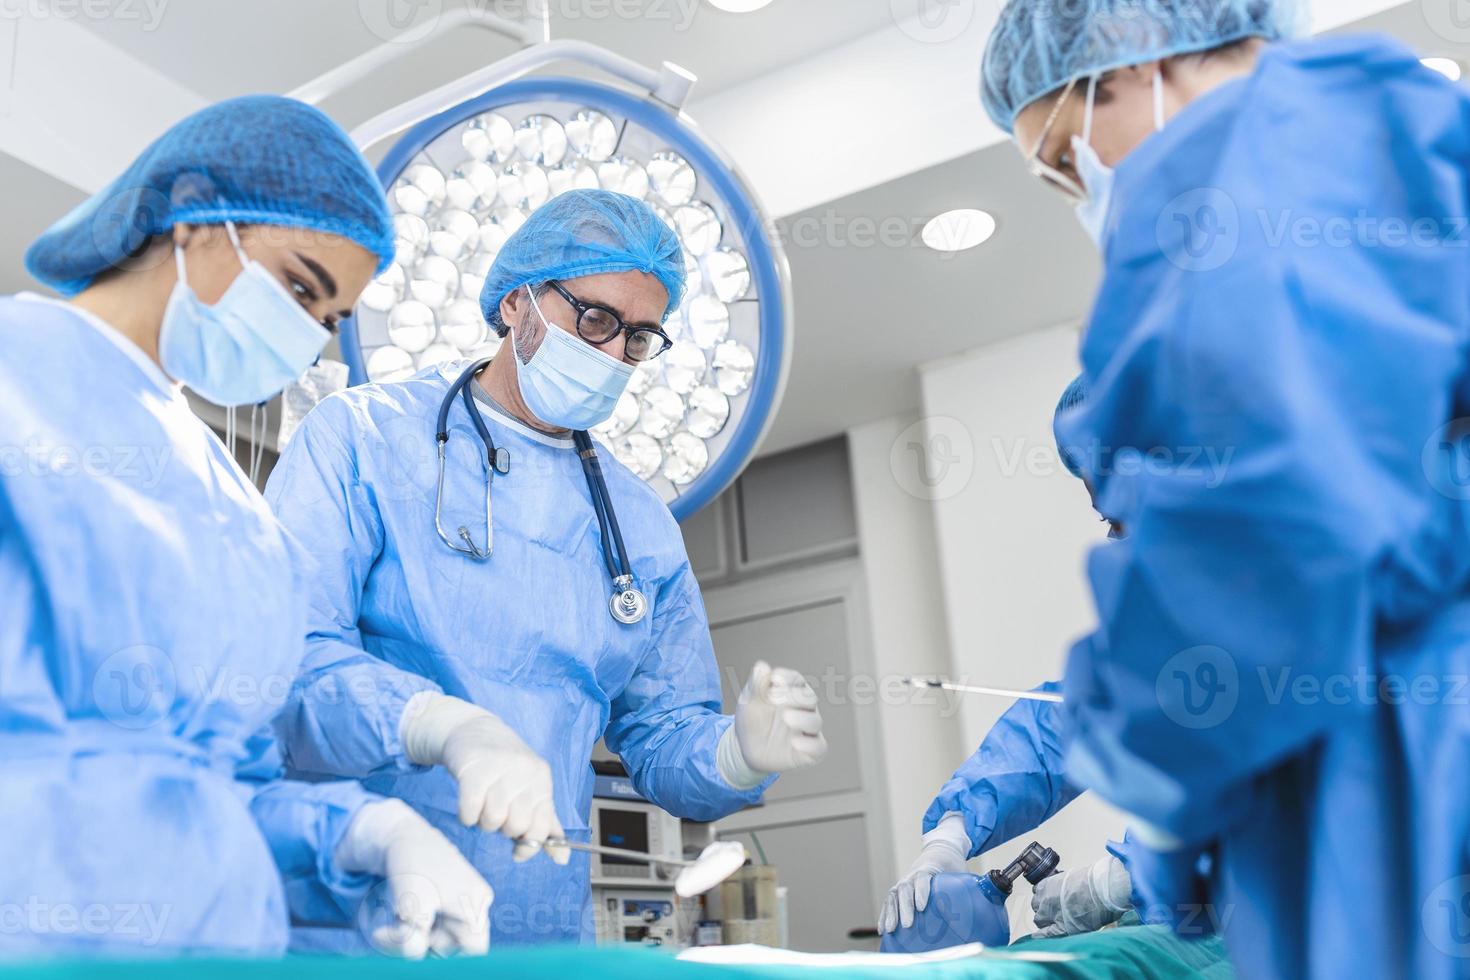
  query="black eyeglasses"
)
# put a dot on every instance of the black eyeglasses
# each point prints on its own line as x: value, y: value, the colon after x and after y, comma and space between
x: 598, y: 325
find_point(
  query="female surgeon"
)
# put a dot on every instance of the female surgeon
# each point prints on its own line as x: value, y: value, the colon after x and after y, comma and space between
x: 1275, y: 690
x: 1012, y: 784
x: 151, y: 617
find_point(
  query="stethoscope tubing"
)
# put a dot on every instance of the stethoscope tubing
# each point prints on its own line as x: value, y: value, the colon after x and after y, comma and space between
x: 496, y: 460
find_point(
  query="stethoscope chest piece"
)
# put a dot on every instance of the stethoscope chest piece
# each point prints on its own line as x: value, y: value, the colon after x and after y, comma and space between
x: 628, y: 604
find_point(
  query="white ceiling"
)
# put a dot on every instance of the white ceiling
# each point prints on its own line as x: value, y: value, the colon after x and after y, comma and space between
x: 867, y: 313
x: 221, y: 49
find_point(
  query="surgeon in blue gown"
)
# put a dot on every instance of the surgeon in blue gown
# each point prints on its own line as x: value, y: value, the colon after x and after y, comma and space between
x: 475, y: 689
x: 151, y: 609
x: 1010, y: 785
x: 1275, y: 688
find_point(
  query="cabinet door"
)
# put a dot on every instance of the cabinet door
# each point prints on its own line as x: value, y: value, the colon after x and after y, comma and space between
x: 813, y: 640
x: 813, y: 826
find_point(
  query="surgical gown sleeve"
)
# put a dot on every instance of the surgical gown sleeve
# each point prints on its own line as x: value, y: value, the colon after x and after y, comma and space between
x: 666, y: 723
x: 343, y: 712
x: 1269, y: 410
x: 1013, y: 782
x: 302, y: 823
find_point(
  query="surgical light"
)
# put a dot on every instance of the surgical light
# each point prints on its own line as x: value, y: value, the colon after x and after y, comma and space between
x: 1448, y: 67
x: 739, y: 6
x: 462, y: 181
x: 957, y: 230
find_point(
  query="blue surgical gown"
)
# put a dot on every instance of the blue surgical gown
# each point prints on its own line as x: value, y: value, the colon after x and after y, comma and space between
x: 150, y: 625
x: 1013, y: 783
x: 1274, y: 364
x: 527, y: 635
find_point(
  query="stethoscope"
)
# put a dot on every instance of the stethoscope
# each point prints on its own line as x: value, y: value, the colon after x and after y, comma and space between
x: 628, y: 603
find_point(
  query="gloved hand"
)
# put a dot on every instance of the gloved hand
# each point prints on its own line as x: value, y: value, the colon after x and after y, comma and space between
x: 777, y: 728
x: 1083, y: 899
x: 503, y: 785
x: 1171, y: 881
x: 946, y: 848
x: 439, y: 900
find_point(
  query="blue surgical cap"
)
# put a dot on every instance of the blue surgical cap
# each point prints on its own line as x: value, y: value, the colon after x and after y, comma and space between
x: 584, y: 233
x: 1038, y: 46
x: 1075, y: 395
x: 260, y: 159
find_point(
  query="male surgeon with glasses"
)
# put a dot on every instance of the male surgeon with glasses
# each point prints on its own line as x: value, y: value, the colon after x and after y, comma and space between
x: 470, y: 674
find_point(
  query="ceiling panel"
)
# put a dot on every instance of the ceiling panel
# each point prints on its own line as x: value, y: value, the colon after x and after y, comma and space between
x: 225, y: 49
x: 872, y: 302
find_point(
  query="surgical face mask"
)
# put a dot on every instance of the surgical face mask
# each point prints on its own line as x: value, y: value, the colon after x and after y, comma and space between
x: 1097, y: 177
x: 567, y: 382
x: 245, y: 348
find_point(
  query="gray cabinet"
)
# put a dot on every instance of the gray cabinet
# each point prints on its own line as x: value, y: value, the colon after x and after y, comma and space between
x: 813, y: 640
x: 819, y: 826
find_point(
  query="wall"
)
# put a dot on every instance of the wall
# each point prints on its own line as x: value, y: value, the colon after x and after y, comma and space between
x: 920, y: 740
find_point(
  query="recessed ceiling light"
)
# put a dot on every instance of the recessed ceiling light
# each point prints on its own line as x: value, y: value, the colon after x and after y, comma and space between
x: 955, y: 231
x: 1448, y: 67
x: 739, y: 6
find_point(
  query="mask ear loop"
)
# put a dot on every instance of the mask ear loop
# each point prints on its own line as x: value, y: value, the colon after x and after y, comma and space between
x: 537, y: 307
x: 235, y: 241
x: 179, y: 265
x: 1159, y: 100
x: 1087, y: 114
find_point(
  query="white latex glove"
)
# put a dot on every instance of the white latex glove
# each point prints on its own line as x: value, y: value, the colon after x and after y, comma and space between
x: 1082, y: 899
x: 777, y: 728
x: 946, y: 849
x: 439, y: 900
x: 503, y: 785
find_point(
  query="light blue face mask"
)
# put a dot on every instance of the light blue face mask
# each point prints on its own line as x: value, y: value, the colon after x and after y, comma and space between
x: 1097, y: 177
x: 568, y: 382
x: 245, y: 348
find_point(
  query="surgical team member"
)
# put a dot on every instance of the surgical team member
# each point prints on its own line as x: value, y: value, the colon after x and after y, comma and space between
x: 1273, y: 688
x: 1011, y: 785
x: 149, y: 602
x: 484, y: 683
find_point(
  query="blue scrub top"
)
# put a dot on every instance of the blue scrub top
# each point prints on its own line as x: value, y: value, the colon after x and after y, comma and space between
x: 150, y: 626
x: 527, y: 635
x: 1275, y: 366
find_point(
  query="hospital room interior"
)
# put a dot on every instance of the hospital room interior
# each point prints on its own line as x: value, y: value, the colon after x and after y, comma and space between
x: 955, y: 504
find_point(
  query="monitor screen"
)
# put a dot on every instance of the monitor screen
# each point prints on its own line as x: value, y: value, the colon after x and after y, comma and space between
x: 627, y: 829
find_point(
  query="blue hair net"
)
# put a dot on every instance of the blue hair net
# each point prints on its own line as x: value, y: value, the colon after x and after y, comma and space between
x: 1075, y: 395
x: 584, y: 233
x: 260, y: 159
x: 1040, y: 45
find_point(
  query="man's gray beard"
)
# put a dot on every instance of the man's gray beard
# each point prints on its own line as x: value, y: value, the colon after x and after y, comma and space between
x: 522, y: 339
